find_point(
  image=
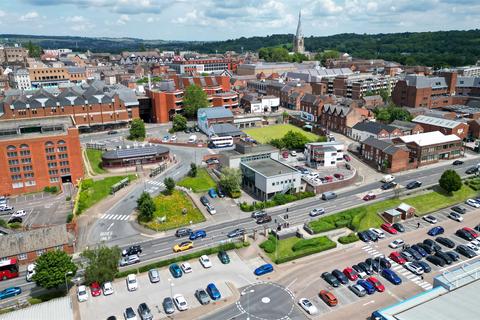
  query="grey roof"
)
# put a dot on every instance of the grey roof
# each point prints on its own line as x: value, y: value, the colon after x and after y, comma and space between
x: 315, y: 75
x: 135, y: 152
x: 309, y: 98
x: 468, y: 82
x: 33, y: 240
x: 55, y: 309
x: 215, y: 112
x: 385, y: 145
x: 425, y: 82
x: 226, y: 129
x: 336, y: 109
x: 434, y: 121
x: 373, y: 127
x: 403, y: 124
x: 270, y: 167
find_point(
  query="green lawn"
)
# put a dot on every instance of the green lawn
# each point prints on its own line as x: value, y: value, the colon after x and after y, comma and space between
x: 95, y: 159
x: 365, y: 217
x: 267, y: 133
x: 95, y: 191
x: 171, y: 208
x: 201, y: 183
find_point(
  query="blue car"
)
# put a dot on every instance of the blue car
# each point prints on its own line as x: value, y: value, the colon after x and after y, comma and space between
x: 367, y: 286
x: 264, y: 269
x: 197, y: 234
x: 213, y: 292
x: 10, y: 292
x: 391, y: 276
x: 435, y: 231
x: 212, y: 193
x: 175, y: 270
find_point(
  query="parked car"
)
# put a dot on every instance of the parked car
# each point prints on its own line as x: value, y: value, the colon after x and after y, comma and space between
x: 213, y: 292
x: 439, y: 262
x: 144, y: 311
x: 459, y: 209
x: 457, y: 162
x: 183, y: 232
x: 4, y: 207
x: 414, y: 267
x: 350, y: 274
x: 369, y: 196
x: 202, y: 296
x: 175, y: 270
x: 136, y: 249
x: 15, y: 220
x: 395, y: 256
x: 430, y: 219
x: 434, y: 246
x: 367, y: 268
x: 472, y: 203
x: 455, y: 216
x: 413, y: 185
x: 471, y: 231
x: 95, y: 289
x: 388, y: 178
x: 220, y: 192
x: 263, y: 269
x: 376, y: 284
x: 19, y: 213
x: 186, y: 267
x: 82, y: 294
x: 369, y: 288
x: 180, y: 302
x: 399, y: 227
x: 328, y: 297
x: 236, y: 233
x: 471, y: 170
x: 464, y: 235
x: 212, y: 193
x: 364, y: 236
x: 389, y: 228
x: 204, y: 200
x: 166, y: 138
x: 340, y: 276
x: 168, y: 305
x: 307, y: 306
x: 316, y: 212
x: 416, y: 255
x: 223, y: 257
x: 194, y: 235
x: 444, y: 256
x: 205, y: 261
x: 264, y: 219
x: 330, y: 279
x: 425, y: 266
x: 379, y: 233
x: 465, y: 251
x: 446, y: 242
x: 453, y: 255
x: 420, y: 250
x: 396, y: 243
x: 435, y: 231
x: 388, y: 185
x: 107, y: 288
x: 129, y: 314
x: 358, y: 290
x: 173, y: 138
x: 30, y: 272
x: 128, y: 260
x: 347, y: 157
x: 132, y: 283
x: 339, y: 176
x: 258, y: 214
x: 391, y: 276
x: 384, y: 262
x: 360, y: 272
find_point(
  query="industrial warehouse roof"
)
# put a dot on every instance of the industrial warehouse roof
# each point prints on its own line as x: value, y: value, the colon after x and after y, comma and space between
x: 56, y: 309
x: 135, y: 152
x: 269, y: 167
x: 434, y: 121
x: 226, y: 129
x: 430, y: 138
x: 425, y: 82
x: 215, y: 112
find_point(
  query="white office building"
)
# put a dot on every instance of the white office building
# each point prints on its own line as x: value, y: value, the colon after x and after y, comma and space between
x: 20, y: 79
x: 324, y: 154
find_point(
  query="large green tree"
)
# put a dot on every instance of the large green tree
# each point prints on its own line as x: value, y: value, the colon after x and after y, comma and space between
x: 34, y: 50
x: 169, y: 185
x: 391, y: 113
x: 230, y: 180
x: 52, y: 267
x: 294, y: 140
x: 137, y: 130
x: 179, y: 123
x: 194, y: 99
x: 101, y: 264
x: 450, y: 181
x: 146, y: 207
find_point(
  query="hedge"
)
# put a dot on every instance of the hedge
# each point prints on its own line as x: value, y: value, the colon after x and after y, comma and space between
x: 352, y: 237
x: 193, y: 255
x: 269, y: 245
x: 473, y: 183
x: 327, y: 246
x: 277, y: 200
x: 308, y: 244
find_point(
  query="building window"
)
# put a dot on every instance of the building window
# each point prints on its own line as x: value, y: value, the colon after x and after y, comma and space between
x: 27, y: 168
x: 26, y: 160
x: 16, y: 177
x: 49, y: 150
x: 63, y: 163
x: 62, y: 149
x: 40, y: 252
x: 22, y: 256
x: 49, y: 144
x: 54, y: 179
x: 12, y: 162
x: 24, y: 153
x: 64, y: 170
x: 52, y: 164
x: 51, y: 157
x: 12, y: 154
x: 63, y: 156
x: 61, y: 142
x: 52, y: 172
x: 28, y: 175
x: 17, y: 185
x: 30, y: 183
x: 14, y: 169
x: 11, y: 148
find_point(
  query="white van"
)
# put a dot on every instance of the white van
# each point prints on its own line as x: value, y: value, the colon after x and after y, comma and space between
x: 192, y: 139
x: 388, y: 178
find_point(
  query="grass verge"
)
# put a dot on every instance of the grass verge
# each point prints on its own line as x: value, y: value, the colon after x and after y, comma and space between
x: 265, y: 134
x: 95, y: 159
x: 201, y: 183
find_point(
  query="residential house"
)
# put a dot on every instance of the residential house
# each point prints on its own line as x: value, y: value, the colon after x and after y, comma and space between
x: 407, y: 127
x: 384, y: 156
x: 365, y: 129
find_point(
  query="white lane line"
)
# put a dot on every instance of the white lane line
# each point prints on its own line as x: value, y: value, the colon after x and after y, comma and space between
x: 103, y: 216
x: 125, y: 217
x: 110, y: 226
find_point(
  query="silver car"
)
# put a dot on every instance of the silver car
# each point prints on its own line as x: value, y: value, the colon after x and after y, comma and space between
x: 202, y: 296
x: 168, y: 305
x: 154, y: 275
x: 358, y: 290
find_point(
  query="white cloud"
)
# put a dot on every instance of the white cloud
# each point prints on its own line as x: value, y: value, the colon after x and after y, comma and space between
x: 76, y: 19
x: 29, y: 16
x: 123, y: 19
x: 2, y: 14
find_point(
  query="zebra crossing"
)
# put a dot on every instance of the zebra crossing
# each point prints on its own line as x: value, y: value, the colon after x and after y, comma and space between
x: 399, y: 268
x: 119, y: 217
x: 154, y: 185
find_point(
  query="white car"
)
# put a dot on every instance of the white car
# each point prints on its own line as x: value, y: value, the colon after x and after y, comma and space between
x: 293, y: 153
x: 107, y: 288
x: 475, y: 243
x: 472, y: 246
x: 211, y: 209
x: 473, y: 203
x: 132, y: 283
x: 316, y: 212
x: 30, y: 272
x: 19, y: 213
x: 430, y: 219
x: 388, y: 178
x: 378, y: 232
x: 5, y: 207
x: 455, y: 216
x: 307, y: 306
x: 82, y: 294
x: 205, y: 261
x: 180, y: 302
x: 173, y: 138
x: 186, y: 267
x: 396, y: 243
x: 414, y: 268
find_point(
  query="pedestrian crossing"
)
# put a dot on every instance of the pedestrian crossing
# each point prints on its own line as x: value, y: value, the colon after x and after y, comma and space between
x: 154, y: 185
x: 399, y: 268
x: 119, y: 217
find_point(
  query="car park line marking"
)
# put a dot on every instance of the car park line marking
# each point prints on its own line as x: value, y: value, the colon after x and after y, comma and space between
x: 369, y: 302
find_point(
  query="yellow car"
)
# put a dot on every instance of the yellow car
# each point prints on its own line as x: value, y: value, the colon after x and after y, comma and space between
x: 183, y: 246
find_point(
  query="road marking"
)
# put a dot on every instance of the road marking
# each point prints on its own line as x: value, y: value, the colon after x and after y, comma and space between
x: 291, y: 282
x: 369, y: 302
x: 110, y: 226
x: 175, y: 173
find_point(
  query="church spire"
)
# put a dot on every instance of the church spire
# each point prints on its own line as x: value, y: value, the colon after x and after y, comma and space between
x: 299, y: 26
x: 298, y: 45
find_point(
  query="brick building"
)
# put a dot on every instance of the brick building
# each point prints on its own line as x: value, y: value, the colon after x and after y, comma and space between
x: 38, y: 153
x: 407, y: 127
x: 363, y: 130
x: 355, y: 86
x: 384, y: 156
x: 167, y: 95
x: 48, y: 77
x: 207, y: 65
x: 445, y: 126
x: 94, y: 105
x: 9, y: 55
x: 342, y: 119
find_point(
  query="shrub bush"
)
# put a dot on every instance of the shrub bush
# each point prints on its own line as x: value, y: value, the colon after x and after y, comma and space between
x: 277, y: 200
x: 69, y: 217
x: 15, y: 225
x: 342, y: 223
x: 321, y: 226
x: 52, y: 189
x: 328, y: 244
x: 269, y: 245
x: 305, y: 244
x: 352, y: 237
x: 236, y: 194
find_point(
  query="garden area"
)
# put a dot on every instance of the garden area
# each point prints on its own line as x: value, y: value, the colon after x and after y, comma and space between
x: 173, y: 211
x: 202, y: 182
x: 289, y: 249
x: 277, y: 200
x: 95, y: 159
x: 364, y: 217
x: 268, y: 133
x: 93, y: 191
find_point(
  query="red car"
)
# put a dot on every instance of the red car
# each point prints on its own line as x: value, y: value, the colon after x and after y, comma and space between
x: 369, y: 196
x: 350, y: 274
x: 339, y: 176
x: 328, y: 178
x: 347, y: 157
x: 389, y: 228
x: 95, y: 289
x: 471, y: 231
x: 395, y: 256
x: 377, y: 284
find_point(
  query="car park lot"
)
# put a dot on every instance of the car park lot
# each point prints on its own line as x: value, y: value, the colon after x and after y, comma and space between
x: 236, y: 272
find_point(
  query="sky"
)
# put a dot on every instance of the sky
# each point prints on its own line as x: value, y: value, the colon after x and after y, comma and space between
x: 228, y: 19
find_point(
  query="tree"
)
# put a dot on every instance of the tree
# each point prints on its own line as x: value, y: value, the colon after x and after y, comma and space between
x: 34, y: 50
x: 169, y: 185
x: 137, y: 130
x: 294, y: 140
x: 52, y: 267
x: 277, y: 143
x: 102, y: 264
x: 385, y: 94
x: 194, y: 99
x: 230, y: 180
x: 146, y: 207
x: 391, y: 113
x: 179, y: 123
x: 450, y: 181
x: 193, y: 170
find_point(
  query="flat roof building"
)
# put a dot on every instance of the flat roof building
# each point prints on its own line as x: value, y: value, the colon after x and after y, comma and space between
x: 132, y: 156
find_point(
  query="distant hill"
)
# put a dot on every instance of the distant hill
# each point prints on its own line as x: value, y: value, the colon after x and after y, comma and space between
x: 438, y: 49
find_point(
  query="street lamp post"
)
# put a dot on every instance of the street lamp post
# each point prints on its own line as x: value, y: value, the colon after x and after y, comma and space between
x: 68, y: 273
x: 171, y: 284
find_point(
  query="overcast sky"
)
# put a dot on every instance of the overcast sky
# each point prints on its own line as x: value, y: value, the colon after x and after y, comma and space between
x: 227, y: 19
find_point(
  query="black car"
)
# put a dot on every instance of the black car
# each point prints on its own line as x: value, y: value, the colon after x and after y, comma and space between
x: 168, y: 305
x: 464, y: 235
x: 220, y: 193
x: 471, y: 170
x: 477, y: 228
x: 459, y: 209
x: 372, y: 235
x: 340, y: 276
x: 432, y: 244
x: 384, y: 263
x: 223, y: 257
x: 425, y: 247
x: 436, y: 261
x: 204, y: 200
x: 465, y: 251
x: 444, y: 256
x: 425, y: 266
x: 453, y: 255
x: 374, y: 263
x: 446, y: 242
x: 144, y: 312
x: 457, y: 162
x: 416, y: 255
x: 388, y: 185
x: 264, y: 219
x: 130, y: 251
x: 15, y: 220
x: 330, y: 279
x: 399, y: 227
x: 258, y: 214
x: 236, y: 233
x: 366, y: 268
x: 183, y: 232
x: 112, y: 132
x: 413, y: 185
x: 357, y: 268
x: 364, y: 236
x: 420, y: 250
